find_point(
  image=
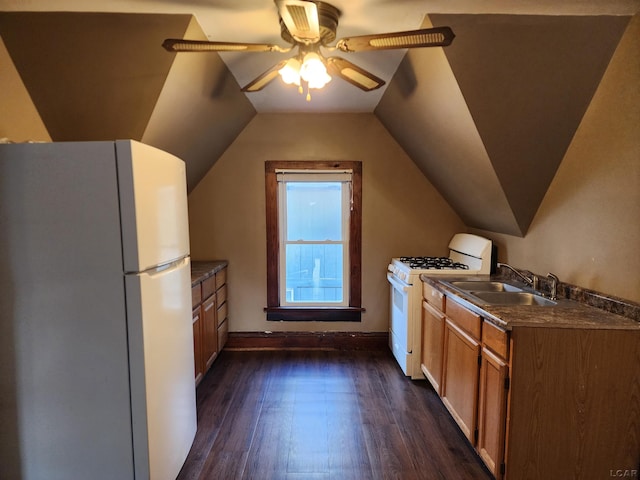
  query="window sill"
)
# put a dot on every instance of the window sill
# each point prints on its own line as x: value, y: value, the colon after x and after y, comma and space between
x: 314, y: 314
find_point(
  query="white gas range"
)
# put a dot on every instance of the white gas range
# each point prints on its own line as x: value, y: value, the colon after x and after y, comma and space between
x: 468, y: 255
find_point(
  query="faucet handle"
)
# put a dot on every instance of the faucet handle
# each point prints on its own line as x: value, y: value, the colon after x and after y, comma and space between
x: 554, y: 285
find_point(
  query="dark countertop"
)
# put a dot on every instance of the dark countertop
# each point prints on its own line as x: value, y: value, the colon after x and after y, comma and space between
x: 203, y: 269
x: 566, y: 314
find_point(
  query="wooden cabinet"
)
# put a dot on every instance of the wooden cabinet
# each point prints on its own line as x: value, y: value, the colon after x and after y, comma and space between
x: 574, y: 403
x: 492, y: 411
x: 538, y: 401
x: 460, y: 377
x: 475, y: 381
x: 197, y: 344
x: 432, y: 345
x: 222, y: 308
x: 209, y: 331
x: 492, y: 408
x: 210, y: 322
x: 461, y: 366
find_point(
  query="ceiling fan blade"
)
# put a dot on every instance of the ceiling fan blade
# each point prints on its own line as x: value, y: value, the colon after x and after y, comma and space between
x: 425, y: 37
x: 179, y: 45
x: 263, y: 80
x: 353, y: 74
x: 301, y: 19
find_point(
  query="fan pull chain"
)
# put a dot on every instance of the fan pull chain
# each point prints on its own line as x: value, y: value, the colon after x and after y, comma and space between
x: 301, y: 89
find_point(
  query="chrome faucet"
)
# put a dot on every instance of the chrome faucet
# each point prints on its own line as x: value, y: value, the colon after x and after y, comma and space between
x: 533, y: 281
x: 554, y: 286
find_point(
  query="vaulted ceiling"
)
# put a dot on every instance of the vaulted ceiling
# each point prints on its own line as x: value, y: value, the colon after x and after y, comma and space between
x: 487, y: 119
x: 490, y: 118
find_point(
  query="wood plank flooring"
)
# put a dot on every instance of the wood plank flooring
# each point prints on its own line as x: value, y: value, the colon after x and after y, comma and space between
x: 322, y: 414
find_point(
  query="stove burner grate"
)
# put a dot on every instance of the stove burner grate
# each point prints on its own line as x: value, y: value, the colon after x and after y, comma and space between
x: 433, y: 263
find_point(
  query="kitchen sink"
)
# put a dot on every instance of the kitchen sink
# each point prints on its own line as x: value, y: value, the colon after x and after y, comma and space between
x: 486, y: 286
x: 512, y: 298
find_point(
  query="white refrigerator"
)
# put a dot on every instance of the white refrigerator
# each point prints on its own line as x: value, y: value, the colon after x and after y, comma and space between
x: 96, y: 339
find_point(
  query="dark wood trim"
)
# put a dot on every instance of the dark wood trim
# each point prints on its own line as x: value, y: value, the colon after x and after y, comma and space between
x: 273, y: 246
x: 376, y: 341
x: 273, y: 237
x: 314, y: 314
x: 355, y: 238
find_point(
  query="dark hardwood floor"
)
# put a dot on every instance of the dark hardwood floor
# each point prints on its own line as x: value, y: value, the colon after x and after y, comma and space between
x: 323, y: 415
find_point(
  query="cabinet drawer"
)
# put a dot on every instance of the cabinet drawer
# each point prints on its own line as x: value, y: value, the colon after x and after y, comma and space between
x: 222, y: 314
x: 433, y: 296
x: 465, y: 319
x: 495, y: 339
x: 221, y: 295
x: 196, y: 295
x: 208, y: 287
x: 221, y: 278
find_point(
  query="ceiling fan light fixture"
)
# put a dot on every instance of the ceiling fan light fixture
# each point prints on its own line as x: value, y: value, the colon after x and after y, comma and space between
x: 313, y: 71
x: 308, y: 26
x: 290, y: 73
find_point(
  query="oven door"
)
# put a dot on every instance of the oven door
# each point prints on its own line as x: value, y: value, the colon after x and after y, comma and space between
x: 399, y: 330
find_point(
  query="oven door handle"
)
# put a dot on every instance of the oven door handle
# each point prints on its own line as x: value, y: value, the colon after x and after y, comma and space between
x: 397, y: 283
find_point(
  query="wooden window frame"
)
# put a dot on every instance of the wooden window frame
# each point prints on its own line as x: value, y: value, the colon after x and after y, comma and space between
x: 276, y: 312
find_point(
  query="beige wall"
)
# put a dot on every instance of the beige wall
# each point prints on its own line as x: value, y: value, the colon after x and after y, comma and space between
x: 587, y: 229
x: 402, y: 212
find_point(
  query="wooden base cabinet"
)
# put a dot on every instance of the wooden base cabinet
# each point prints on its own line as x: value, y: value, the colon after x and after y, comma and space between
x: 222, y: 324
x: 209, y: 331
x: 540, y: 402
x: 574, y: 404
x: 460, y: 378
x: 197, y: 344
x: 432, y: 345
x: 210, y: 323
x: 492, y: 411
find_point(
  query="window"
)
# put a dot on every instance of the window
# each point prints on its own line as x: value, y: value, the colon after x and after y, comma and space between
x: 313, y: 240
x: 314, y: 211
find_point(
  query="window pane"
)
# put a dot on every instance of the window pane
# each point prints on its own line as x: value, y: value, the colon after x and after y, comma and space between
x: 314, y: 211
x: 314, y: 273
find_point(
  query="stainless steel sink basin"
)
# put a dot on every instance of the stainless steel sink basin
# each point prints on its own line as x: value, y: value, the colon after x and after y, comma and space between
x: 513, y: 298
x: 486, y: 286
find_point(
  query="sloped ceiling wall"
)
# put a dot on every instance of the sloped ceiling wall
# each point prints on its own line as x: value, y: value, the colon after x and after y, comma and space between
x: 489, y: 118
x: 200, y: 111
x: 95, y: 76
x: 19, y: 120
x: 91, y: 76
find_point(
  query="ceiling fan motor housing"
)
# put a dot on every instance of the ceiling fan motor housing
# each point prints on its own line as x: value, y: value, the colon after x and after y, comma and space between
x: 328, y: 16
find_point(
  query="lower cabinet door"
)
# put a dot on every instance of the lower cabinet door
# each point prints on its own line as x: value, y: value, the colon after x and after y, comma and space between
x: 432, y: 345
x: 493, y: 411
x: 197, y: 344
x: 460, y: 378
x: 209, y: 331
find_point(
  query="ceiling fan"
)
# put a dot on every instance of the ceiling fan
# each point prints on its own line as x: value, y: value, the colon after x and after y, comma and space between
x: 308, y: 25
